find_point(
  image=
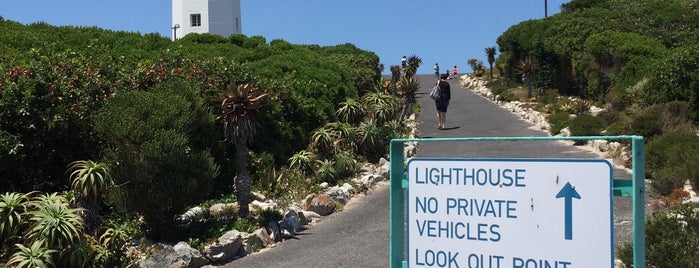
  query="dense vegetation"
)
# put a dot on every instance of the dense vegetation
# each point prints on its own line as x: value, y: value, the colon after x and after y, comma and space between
x: 105, y: 136
x: 639, y: 61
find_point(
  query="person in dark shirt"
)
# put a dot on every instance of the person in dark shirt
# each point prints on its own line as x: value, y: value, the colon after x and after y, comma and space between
x: 443, y: 102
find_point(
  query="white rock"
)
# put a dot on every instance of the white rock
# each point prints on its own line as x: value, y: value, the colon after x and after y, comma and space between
x: 261, y: 206
x: 257, y: 196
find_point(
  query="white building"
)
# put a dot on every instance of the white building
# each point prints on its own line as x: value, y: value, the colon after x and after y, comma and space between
x: 220, y: 17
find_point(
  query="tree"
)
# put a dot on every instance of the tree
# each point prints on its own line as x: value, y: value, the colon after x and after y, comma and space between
x: 238, y: 104
x: 490, y: 52
x: 527, y: 67
x: 477, y: 66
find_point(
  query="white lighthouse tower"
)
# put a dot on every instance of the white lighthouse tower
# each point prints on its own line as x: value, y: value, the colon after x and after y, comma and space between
x: 220, y: 17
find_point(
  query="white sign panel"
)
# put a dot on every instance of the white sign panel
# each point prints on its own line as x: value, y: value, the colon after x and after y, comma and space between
x: 519, y: 213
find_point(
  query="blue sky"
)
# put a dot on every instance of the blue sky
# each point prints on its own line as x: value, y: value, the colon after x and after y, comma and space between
x: 447, y: 32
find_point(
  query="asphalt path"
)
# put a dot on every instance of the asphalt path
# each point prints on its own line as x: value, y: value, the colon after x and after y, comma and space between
x: 358, y: 236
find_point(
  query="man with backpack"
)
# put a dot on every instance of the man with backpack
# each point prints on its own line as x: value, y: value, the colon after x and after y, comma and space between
x: 442, y: 102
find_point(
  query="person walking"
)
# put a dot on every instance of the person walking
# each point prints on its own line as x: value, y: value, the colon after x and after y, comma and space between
x: 454, y: 72
x: 436, y: 71
x: 404, y: 62
x: 443, y: 102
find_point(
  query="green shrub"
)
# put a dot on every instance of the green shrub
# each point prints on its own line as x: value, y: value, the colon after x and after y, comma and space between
x: 676, y: 115
x: 248, y: 225
x: 558, y: 121
x: 497, y: 87
x: 671, y: 159
x: 646, y: 123
x: 153, y: 152
x: 507, y: 96
x: 668, y: 179
x: 675, y: 78
x: 586, y: 125
x: 550, y: 96
x: 672, y: 239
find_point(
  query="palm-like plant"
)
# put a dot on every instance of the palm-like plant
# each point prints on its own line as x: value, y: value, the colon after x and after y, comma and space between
x: 407, y: 88
x: 238, y: 107
x: 395, y: 129
x: 79, y: 253
x: 54, y: 221
x: 344, y: 136
x: 490, y: 53
x: 326, y: 171
x: 350, y: 111
x: 386, y: 86
x: 323, y: 141
x: 370, y: 138
x: 527, y: 67
x: 386, y: 112
x: 395, y: 73
x: 302, y: 161
x: 477, y: 66
x: 112, y: 243
x: 90, y: 179
x: 414, y: 62
x: 36, y: 255
x: 12, y: 207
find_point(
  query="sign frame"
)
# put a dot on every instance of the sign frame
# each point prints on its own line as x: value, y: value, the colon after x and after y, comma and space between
x: 471, y: 211
x: 633, y: 187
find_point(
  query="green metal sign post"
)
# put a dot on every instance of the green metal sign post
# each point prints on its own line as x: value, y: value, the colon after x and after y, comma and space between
x: 622, y: 187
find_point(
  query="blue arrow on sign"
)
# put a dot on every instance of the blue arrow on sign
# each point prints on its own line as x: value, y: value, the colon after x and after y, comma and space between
x: 568, y: 192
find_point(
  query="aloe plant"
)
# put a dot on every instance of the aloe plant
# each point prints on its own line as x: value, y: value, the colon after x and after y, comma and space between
x: 54, y: 221
x: 12, y: 207
x: 238, y: 104
x: 36, y: 255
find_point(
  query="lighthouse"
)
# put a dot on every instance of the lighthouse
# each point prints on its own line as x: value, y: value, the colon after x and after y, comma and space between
x: 220, y: 17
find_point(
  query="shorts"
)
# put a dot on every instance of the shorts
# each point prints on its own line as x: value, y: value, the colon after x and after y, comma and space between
x: 442, y: 105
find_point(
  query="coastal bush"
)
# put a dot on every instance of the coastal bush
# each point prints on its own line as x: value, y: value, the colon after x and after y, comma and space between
x: 646, y: 122
x: 154, y: 157
x: 586, y: 125
x: 346, y: 163
x: 672, y: 239
x: 671, y: 160
x: 618, y: 123
x: 497, y: 86
x: 558, y: 121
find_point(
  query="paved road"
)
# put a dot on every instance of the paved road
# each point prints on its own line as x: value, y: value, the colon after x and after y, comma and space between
x: 358, y: 236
